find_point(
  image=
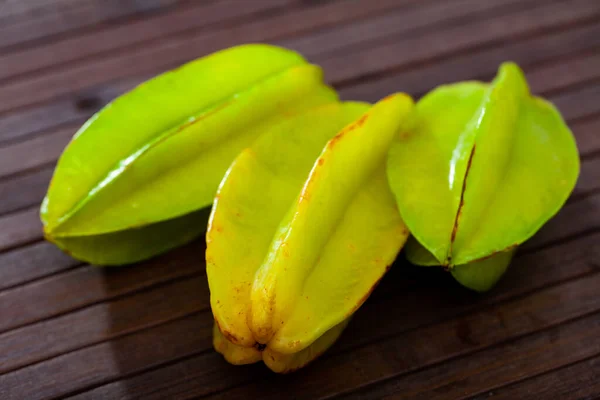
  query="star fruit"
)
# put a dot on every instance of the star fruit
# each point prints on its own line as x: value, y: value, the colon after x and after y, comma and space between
x: 480, y: 169
x: 137, y: 178
x: 303, y: 227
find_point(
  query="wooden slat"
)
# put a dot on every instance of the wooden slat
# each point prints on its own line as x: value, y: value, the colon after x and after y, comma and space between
x: 582, y: 106
x: 512, y: 361
x: 576, y: 218
x: 589, y: 173
x: 580, y: 380
x: 67, y: 113
x: 102, y: 322
x: 34, y: 153
x: 588, y: 129
x: 20, y: 228
x: 167, y: 55
x: 65, y: 15
x: 409, y: 350
x: 401, y: 52
x: 32, y: 262
x: 180, y: 25
x: 72, y: 371
x: 481, y: 63
x: 396, y: 24
x: 24, y: 190
x: 55, y: 295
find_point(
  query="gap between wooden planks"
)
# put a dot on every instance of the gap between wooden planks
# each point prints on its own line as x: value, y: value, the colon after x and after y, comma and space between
x: 69, y: 80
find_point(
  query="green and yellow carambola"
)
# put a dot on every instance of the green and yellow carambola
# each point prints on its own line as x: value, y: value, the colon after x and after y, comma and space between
x: 303, y: 227
x: 136, y: 179
x: 480, y: 168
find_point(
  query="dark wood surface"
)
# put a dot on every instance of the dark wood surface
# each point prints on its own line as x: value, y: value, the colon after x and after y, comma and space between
x: 73, y: 330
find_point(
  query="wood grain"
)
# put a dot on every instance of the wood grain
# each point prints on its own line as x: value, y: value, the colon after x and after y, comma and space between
x: 55, y: 295
x: 148, y: 60
x: 211, y: 20
x: 580, y: 380
x: 32, y: 262
x: 27, y: 21
x: 406, y: 351
x: 511, y: 361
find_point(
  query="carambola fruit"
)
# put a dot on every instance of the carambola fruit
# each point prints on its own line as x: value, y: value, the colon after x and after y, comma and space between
x: 479, y: 170
x: 136, y: 178
x: 303, y: 227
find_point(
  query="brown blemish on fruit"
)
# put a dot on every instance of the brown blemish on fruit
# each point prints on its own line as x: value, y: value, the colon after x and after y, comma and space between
x: 461, y: 204
x: 347, y: 129
x: 362, y: 120
x: 321, y: 161
x: 228, y: 335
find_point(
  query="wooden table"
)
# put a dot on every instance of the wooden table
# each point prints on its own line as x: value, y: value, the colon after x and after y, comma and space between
x: 70, y: 329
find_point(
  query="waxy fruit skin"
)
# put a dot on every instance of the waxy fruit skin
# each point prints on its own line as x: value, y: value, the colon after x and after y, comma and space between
x: 134, y: 180
x: 481, y: 168
x: 303, y: 227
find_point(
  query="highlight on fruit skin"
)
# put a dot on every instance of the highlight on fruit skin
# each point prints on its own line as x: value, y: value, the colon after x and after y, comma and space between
x: 137, y: 178
x: 480, y: 170
x: 303, y: 227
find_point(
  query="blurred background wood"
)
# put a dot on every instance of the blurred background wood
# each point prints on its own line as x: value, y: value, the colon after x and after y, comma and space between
x: 73, y: 330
